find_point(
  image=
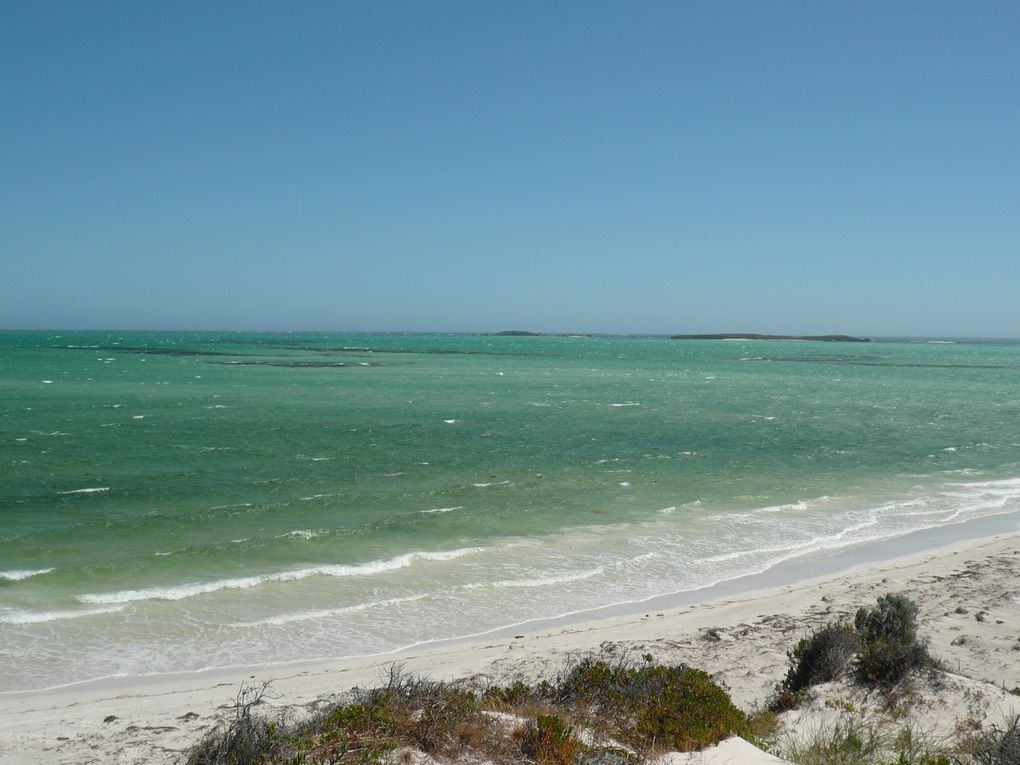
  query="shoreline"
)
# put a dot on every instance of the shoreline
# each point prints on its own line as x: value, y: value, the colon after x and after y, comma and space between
x: 799, y: 569
x: 156, y: 716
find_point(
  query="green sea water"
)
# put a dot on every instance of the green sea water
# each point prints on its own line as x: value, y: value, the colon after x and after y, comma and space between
x: 178, y: 501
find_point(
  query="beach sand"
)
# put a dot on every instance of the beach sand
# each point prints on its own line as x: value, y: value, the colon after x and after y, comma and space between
x: 968, y: 592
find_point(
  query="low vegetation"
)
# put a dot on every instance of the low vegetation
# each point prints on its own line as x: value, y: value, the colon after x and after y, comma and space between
x: 889, y: 646
x: 611, y: 710
x: 881, y: 647
x: 819, y: 658
x: 626, y: 710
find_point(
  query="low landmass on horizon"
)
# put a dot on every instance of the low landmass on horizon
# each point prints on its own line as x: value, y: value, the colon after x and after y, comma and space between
x: 756, y: 336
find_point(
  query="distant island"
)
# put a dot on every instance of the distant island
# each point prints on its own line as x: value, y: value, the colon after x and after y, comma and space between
x: 518, y: 333
x: 754, y: 336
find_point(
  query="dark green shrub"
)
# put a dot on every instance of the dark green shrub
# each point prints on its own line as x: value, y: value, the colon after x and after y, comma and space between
x: 888, y: 635
x: 685, y: 710
x: 666, y: 706
x: 514, y: 694
x: 821, y: 657
x: 894, y: 620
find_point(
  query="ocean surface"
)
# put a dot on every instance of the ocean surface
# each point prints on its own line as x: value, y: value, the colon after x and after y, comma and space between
x: 177, y: 501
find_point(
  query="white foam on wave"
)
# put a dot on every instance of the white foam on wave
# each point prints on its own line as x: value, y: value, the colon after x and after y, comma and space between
x: 823, y: 542
x: 491, y: 483
x: 325, y: 613
x: 798, y: 505
x: 546, y: 581
x: 90, y: 490
x: 180, y: 592
x: 442, y: 509
x: 17, y: 616
x: 303, y: 534
x: 626, y: 403
x: 17, y: 575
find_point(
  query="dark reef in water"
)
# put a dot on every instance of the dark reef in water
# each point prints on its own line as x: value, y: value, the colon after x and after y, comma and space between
x: 518, y: 333
x: 148, y: 351
x: 755, y: 336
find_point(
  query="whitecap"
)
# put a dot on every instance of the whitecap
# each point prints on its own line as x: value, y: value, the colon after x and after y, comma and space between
x: 442, y: 509
x: 16, y: 575
x: 492, y: 483
x: 91, y: 490
x: 183, y: 591
x: 303, y: 534
x: 17, y: 616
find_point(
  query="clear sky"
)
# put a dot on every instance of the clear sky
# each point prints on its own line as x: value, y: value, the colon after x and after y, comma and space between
x: 798, y: 167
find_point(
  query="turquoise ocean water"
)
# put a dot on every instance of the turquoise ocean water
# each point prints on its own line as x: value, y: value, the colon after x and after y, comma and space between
x: 180, y: 501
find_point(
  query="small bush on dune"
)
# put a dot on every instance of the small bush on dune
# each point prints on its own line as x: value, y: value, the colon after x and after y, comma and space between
x: 651, y: 706
x: 888, y: 635
x: 821, y: 657
x: 244, y: 739
x: 548, y: 740
x: 996, y: 746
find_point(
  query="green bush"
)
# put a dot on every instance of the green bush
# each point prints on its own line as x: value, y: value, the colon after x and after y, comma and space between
x: 819, y: 658
x: 665, y: 706
x: 888, y: 635
x: 894, y: 620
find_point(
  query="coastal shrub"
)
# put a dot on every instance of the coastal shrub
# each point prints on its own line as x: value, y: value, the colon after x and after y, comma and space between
x: 996, y: 746
x: 548, y: 740
x: 651, y: 705
x: 893, y: 620
x: 856, y: 738
x: 245, y: 740
x: 849, y: 740
x: 889, y: 645
x: 647, y: 707
x: 821, y: 657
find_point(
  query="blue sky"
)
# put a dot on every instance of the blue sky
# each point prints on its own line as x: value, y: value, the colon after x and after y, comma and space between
x: 654, y: 167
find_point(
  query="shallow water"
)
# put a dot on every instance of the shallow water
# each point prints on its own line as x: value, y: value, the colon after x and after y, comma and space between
x: 180, y: 501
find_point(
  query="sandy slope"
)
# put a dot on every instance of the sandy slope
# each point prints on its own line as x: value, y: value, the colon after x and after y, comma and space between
x: 969, y: 593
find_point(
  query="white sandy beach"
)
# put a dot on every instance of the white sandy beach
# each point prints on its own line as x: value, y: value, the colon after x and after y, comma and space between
x: 968, y: 592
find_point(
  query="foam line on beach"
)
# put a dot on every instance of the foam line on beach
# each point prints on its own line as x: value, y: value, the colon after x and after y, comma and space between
x: 547, y: 581
x: 180, y: 592
x: 328, y: 612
